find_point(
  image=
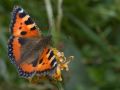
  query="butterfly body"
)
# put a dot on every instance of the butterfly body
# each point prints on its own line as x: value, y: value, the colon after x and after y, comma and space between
x: 28, y: 49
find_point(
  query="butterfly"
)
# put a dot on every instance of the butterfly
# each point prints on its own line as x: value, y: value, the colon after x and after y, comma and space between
x: 28, y: 49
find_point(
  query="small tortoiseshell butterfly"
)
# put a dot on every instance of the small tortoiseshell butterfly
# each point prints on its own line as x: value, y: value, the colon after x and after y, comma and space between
x: 28, y: 49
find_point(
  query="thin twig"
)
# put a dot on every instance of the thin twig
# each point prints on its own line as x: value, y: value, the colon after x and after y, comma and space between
x: 59, y: 16
x: 50, y: 14
x: 51, y: 21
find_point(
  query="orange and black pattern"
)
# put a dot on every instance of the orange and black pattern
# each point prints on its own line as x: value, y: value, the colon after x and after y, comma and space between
x: 28, y: 49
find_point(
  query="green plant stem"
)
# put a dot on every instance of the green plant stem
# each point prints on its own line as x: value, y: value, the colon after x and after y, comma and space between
x: 54, y: 25
x: 51, y: 19
x: 59, y: 86
x: 59, y: 15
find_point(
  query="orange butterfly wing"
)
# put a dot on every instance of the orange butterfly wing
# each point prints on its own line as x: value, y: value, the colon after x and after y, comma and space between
x: 47, y: 63
x: 21, y: 26
x: 24, y: 39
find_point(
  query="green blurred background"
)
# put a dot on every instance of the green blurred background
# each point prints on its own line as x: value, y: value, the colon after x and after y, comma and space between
x: 89, y: 30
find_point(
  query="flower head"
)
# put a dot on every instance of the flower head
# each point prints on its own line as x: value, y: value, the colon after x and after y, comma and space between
x: 62, y: 63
